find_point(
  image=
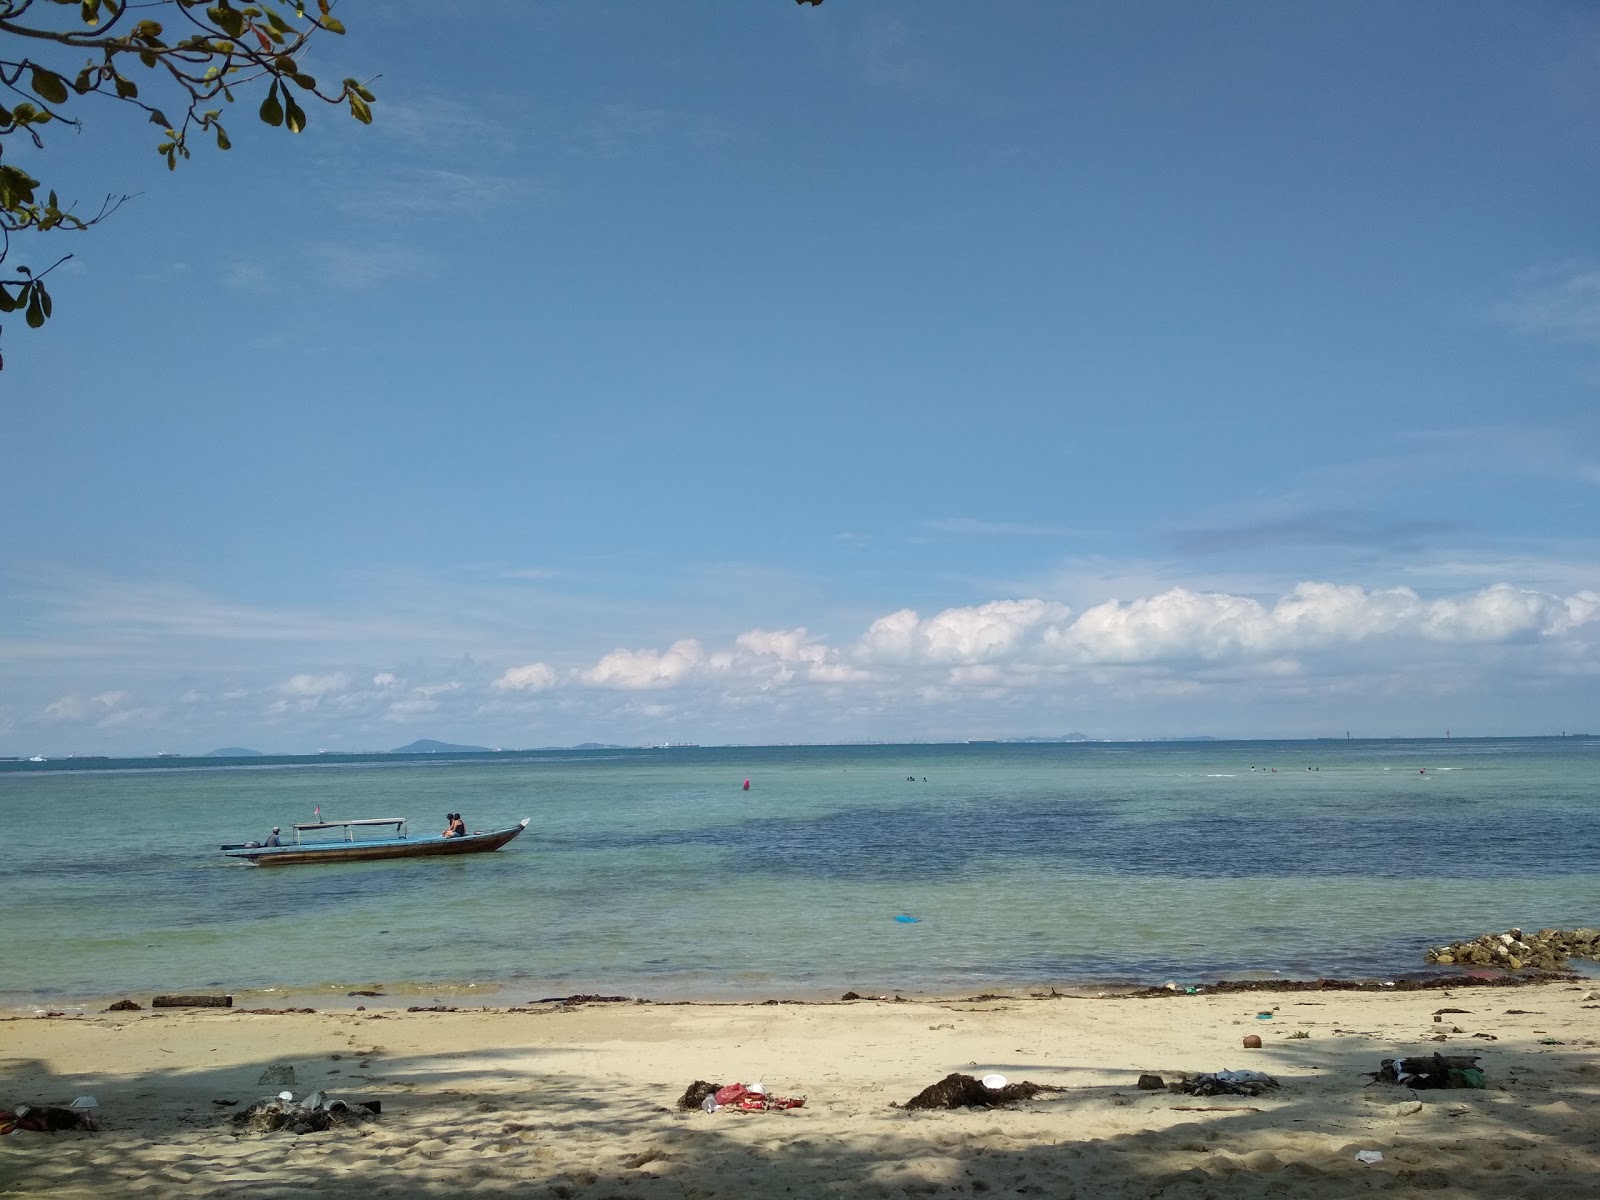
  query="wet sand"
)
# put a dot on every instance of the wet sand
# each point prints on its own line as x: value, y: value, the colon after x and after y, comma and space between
x: 578, y: 1100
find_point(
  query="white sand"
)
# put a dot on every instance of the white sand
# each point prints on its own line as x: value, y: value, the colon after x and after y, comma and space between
x: 580, y: 1102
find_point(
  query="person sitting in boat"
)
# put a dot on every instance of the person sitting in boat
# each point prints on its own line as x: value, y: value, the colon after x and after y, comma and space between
x: 458, y: 827
x: 273, y: 839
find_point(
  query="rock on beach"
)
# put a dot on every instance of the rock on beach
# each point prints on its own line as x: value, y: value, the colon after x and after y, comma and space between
x: 1546, y: 950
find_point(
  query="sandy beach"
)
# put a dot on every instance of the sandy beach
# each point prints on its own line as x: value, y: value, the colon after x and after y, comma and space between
x: 579, y: 1100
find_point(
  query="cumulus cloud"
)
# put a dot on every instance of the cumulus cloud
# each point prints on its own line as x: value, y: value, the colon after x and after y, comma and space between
x: 1179, y: 625
x: 535, y: 677
x: 385, y: 679
x: 958, y: 636
x: 636, y: 670
x: 309, y: 686
x: 1025, y: 642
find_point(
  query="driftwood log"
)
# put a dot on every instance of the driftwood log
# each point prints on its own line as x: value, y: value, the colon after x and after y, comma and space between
x: 192, y: 1002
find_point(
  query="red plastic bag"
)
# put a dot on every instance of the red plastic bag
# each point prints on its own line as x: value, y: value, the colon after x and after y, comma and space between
x: 732, y: 1093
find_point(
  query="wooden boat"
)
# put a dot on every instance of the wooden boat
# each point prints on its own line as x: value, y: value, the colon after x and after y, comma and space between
x: 353, y: 847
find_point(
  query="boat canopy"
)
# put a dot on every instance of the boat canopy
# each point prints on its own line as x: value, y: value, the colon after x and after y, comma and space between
x: 347, y: 829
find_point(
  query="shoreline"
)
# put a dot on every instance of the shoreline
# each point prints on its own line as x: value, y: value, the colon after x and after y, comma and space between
x: 578, y: 1100
x: 476, y: 996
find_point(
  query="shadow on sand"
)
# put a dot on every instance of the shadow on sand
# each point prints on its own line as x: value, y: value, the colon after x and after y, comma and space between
x: 524, y: 1123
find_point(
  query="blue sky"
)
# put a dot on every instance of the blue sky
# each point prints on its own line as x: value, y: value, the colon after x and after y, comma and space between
x: 749, y: 372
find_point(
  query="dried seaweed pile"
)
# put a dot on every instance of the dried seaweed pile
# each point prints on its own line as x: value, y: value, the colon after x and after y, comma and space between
x: 963, y: 1091
x: 696, y: 1094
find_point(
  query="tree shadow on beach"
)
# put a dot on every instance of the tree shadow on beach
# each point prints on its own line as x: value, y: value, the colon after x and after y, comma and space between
x: 520, y: 1122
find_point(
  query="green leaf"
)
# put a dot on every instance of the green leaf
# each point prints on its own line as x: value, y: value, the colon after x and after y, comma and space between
x: 8, y: 302
x: 82, y: 83
x: 271, y: 110
x: 159, y: 118
x: 222, y: 139
x: 359, y: 109
x: 49, y: 85
x: 127, y: 89
x: 305, y: 81
x: 16, y: 189
x: 44, y: 299
x: 89, y: 10
x: 332, y: 24
x: 296, y: 119
x: 35, y: 307
x: 229, y: 20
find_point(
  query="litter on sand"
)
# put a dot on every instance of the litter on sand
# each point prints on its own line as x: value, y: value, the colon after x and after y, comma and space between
x: 312, y: 1115
x: 1369, y: 1156
x: 51, y: 1118
x: 1228, y: 1083
x: 745, y: 1097
x: 1434, y: 1071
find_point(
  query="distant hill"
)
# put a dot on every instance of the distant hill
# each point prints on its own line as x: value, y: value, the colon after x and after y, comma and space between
x: 429, y: 746
x: 596, y: 746
x: 1031, y: 741
x: 234, y: 752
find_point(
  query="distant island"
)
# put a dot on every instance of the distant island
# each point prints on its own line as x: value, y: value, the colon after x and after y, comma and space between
x: 234, y: 752
x: 1031, y: 741
x: 429, y: 746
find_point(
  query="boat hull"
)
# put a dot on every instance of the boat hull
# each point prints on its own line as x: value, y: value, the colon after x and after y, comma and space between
x: 336, y: 852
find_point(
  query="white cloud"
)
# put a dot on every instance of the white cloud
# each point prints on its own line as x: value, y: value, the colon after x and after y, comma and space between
x: 635, y: 670
x: 385, y: 679
x: 535, y: 677
x: 958, y: 635
x: 437, y: 689
x: 1561, y: 303
x: 314, y: 685
x: 1029, y: 643
x: 82, y: 708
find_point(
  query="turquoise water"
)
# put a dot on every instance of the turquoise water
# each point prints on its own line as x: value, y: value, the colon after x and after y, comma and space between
x: 654, y: 873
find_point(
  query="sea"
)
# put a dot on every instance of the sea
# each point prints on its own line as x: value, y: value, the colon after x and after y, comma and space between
x: 880, y: 869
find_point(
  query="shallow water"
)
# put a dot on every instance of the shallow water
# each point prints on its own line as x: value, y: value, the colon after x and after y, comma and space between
x: 653, y: 872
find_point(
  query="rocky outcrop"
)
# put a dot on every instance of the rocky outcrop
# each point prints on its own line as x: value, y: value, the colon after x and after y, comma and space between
x: 1513, y: 950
